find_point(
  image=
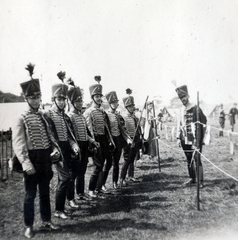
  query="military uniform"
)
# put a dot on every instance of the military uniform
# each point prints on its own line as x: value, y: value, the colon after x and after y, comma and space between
x: 189, y: 135
x: 232, y: 114
x: 97, y: 122
x: 222, y: 119
x: 33, y: 144
x: 120, y: 137
x: 83, y: 139
x: 63, y: 132
x: 130, y: 151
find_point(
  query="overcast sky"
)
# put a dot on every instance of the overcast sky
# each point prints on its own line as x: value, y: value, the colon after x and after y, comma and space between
x: 142, y: 45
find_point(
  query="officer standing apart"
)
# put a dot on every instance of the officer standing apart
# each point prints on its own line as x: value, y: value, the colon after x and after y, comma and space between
x: 131, y: 123
x: 75, y: 96
x: 188, y: 136
x: 120, y: 137
x: 63, y: 132
x: 97, y: 122
x: 33, y: 144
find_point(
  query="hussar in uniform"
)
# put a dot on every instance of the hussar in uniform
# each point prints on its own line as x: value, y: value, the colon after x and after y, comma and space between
x: 120, y: 137
x: 82, y: 135
x: 130, y: 150
x: 36, y: 150
x: 98, y: 124
x: 190, y: 134
x: 68, y: 145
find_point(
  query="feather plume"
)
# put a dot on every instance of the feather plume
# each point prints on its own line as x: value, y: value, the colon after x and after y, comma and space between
x: 70, y: 81
x: 30, y: 69
x: 98, y: 79
x: 128, y: 91
x: 61, y: 75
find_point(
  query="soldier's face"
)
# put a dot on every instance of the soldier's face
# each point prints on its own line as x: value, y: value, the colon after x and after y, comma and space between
x: 98, y: 99
x: 114, y: 105
x: 60, y: 102
x: 78, y: 104
x: 131, y: 108
x: 184, y: 99
x: 34, y: 101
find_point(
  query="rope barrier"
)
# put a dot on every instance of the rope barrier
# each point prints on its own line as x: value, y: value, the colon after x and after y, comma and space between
x: 218, y: 167
x: 181, y: 150
x: 204, y: 125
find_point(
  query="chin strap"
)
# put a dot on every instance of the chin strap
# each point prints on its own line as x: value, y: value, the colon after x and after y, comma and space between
x: 79, y: 110
x: 35, y: 109
x: 61, y: 110
x: 131, y: 112
x: 99, y: 105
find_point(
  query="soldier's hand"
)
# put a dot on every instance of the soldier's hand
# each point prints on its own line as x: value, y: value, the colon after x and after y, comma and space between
x: 129, y: 141
x: 96, y: 144
x: 31, y: 171
x: 76, y: 151
x: 55, y: 154
x: 179, y: 142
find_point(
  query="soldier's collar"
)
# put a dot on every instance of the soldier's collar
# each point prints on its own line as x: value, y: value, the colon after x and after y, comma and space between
x: 57, y: 110
x: 189, y: 106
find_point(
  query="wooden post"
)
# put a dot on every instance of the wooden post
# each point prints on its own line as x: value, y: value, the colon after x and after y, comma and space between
x: 11, y: 151
x: 166, y: 132
x: 2, y: 155
x: 197, y: 155
x: 172, y: 134
x: 155, y: 138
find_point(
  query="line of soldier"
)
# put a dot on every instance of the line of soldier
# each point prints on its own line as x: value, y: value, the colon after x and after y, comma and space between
x: 43, y: 138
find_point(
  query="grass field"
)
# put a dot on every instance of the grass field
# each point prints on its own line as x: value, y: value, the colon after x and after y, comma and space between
x: 157, y: 207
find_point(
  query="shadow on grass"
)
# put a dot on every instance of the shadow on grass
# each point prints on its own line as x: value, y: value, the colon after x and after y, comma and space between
x: 104, y: 225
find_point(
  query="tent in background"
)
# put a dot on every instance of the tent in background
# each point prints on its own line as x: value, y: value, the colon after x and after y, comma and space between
x: 9, y: 111
x: 210, y: 110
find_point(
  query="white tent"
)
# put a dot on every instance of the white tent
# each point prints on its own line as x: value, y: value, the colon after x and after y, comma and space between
x: 9, y: 112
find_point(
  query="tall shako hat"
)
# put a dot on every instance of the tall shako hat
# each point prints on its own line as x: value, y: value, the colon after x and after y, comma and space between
x: 128, y: 101
x: 96, y: 88
x: 111, y: 97
x: 60, y: 89
x: 74, y: 92
x: 181, y: 91
x: 31, y: 87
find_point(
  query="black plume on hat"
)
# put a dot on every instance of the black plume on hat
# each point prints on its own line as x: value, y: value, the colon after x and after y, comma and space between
x: 128, y: 91
x: 30, y: 69
x: 97, y: 79
x: 61, y: 75
x: 70, y: 82
x: 31, y: 87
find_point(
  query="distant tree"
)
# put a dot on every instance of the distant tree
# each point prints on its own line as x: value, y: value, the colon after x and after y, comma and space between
x: 157, y: 101
x: 9, y: 97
